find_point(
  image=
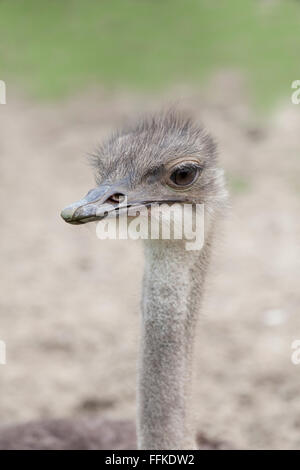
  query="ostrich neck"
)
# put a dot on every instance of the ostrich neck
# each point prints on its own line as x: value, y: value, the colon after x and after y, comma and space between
x: 172, y: 289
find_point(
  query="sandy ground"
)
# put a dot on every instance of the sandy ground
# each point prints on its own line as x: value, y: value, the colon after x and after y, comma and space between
x: 69, y: 304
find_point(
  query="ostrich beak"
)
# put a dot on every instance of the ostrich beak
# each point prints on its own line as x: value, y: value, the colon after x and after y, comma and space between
x: 88, y: 209
x: 101, y: 201
x: 97, y: 205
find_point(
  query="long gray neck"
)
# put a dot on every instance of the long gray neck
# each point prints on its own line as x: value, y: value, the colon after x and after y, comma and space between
x: 172, y: 289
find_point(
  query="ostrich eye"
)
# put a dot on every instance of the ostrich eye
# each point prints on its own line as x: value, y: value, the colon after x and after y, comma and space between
x: 184, y: 176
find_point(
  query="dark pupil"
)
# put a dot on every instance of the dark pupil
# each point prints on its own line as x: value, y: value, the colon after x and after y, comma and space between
x: 184, y: 176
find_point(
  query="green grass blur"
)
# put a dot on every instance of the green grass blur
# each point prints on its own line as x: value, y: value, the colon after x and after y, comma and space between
x: 55, y: 48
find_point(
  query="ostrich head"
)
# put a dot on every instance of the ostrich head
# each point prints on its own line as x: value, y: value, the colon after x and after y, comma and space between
x: 163, y: 159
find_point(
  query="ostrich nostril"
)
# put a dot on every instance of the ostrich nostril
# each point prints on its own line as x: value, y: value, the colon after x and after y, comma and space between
x: 116, y: 198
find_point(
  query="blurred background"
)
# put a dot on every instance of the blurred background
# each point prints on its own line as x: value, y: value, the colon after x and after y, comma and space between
x: 69, y: 303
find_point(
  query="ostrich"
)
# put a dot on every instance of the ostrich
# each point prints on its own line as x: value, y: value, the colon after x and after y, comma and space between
x: 163, y: 159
